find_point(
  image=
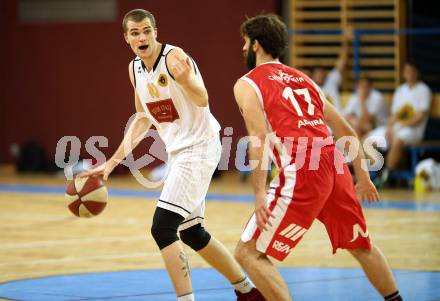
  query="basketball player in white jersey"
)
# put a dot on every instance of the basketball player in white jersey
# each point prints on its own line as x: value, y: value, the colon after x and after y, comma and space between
x: 170, y: 91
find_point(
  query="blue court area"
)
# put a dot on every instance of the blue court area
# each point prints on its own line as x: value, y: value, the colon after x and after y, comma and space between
x: 330, y: 284
x: 219, y: 197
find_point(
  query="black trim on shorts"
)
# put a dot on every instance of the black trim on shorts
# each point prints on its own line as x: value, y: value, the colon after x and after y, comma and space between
x: 192, y: 219
x: 175, y: 206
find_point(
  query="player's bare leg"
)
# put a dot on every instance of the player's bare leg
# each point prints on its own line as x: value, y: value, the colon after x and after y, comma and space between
x: 262, y: 272
x: 176, y: 263
x: 216, y: 254
x: 221, y: 259
x: 376, y: 269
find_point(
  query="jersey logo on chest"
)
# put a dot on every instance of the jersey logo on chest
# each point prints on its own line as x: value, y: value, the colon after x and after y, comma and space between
x: 163, y: 110
x: 163, y: 80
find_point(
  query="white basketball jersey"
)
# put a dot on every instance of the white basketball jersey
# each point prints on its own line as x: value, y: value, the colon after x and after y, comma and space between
x: 179, y: 121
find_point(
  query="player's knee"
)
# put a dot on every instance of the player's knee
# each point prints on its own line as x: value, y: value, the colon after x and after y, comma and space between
x: 164, y: 227
x: 246, y: 253
x: 238, y: 254
x: 163, y: 236
x: 196, y: 237
x: 242, y: 253
x: 360, y: 253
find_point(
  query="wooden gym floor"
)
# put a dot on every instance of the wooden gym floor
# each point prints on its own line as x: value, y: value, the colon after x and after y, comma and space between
x: 40, y: 237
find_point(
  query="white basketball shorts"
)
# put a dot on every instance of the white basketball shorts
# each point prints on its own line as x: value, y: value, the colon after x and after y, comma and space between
x: 188, y: 179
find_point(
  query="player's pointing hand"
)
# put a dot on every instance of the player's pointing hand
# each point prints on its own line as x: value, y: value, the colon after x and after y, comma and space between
x: 181, y: 70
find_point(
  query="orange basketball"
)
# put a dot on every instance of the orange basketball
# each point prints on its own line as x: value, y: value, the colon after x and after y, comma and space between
x: 86, y: 197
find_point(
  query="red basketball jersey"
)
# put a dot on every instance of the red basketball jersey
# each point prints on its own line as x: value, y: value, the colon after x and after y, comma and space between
x: 293, y: 105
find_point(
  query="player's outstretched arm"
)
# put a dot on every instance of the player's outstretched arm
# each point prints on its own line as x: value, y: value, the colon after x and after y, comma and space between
x: 132, y: 137
x: 182, y: 69
x: 340, y: 127
x: 253, y: 116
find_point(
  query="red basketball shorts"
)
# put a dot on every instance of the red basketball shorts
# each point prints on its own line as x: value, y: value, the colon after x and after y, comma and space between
x: 298, y: 197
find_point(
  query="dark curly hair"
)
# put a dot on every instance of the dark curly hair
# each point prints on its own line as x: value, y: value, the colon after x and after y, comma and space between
x: 269, y: 30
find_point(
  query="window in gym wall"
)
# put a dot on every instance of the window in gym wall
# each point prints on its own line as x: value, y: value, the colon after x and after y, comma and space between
x: 66, y: 11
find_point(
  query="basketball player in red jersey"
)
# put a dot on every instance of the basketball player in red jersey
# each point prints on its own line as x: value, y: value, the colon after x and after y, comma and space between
x: 313, y: 181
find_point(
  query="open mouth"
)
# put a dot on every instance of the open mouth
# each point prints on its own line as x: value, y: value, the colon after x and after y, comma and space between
x: 143, y: 47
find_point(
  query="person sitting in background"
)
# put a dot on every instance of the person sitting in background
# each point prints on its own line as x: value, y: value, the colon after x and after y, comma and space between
x: 331, y: 82
x: 366, y: 108
x: 429, y: 172
x: 409, y: 116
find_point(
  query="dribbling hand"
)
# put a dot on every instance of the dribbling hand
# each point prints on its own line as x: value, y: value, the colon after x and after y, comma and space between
x: 103, y: 170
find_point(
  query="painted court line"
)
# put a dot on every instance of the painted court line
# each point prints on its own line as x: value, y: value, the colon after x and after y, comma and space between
x: 145, y: 255
x: 242, y: 198
x: 64, y: 242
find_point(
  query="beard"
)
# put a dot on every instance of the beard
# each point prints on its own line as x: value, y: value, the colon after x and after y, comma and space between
x: 251, y: 59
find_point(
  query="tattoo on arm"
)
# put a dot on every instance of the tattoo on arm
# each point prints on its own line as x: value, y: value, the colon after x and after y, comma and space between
x: 185, y: 267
